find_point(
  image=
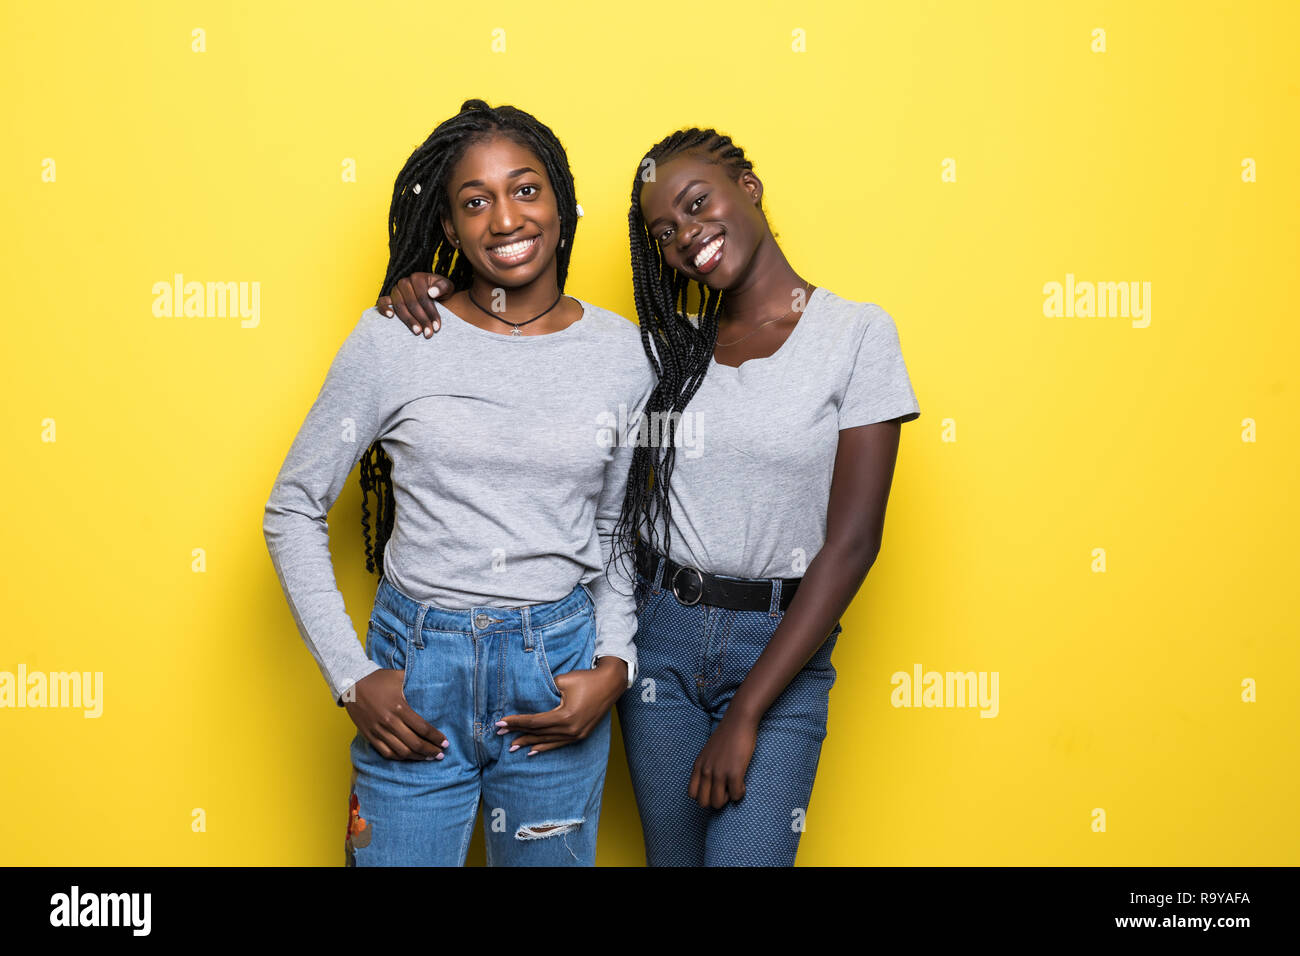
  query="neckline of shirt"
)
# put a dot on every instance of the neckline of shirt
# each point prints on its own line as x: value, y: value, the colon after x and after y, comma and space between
x: 803, y: 318
x: 586, y: 311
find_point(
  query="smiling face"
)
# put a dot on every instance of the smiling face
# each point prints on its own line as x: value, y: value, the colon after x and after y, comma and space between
x: 504, y: 213
x: 708, y: 225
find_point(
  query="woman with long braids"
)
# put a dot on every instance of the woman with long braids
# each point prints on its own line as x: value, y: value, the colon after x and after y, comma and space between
x: 499, y: 479
x: 755, y: 524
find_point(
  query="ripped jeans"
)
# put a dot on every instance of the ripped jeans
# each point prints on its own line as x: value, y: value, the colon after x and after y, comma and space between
x: 464, y: 671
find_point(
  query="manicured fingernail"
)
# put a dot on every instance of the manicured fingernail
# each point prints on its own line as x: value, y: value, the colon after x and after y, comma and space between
x: 437, y: 325
x: 514, y: 748
x: 434, y: 292
x: 531, y: 752
x: 445, y: 743
x: 501, y: 723
x: 428, y: 333
x: 388, y: 312
x: 415, y: 329
x: 502, y: 730
x: 439, y: 757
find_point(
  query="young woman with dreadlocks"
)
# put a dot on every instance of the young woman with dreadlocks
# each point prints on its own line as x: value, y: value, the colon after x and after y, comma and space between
x: 755, y: 524
x: 499, y: 477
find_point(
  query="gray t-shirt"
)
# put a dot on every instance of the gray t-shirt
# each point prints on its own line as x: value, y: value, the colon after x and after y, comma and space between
x: 756, y: 448
x: 509, y: 472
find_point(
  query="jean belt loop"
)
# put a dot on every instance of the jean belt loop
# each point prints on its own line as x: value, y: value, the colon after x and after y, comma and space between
x: 527, y: 627
x: 659, y: 571
x: 775, y: 608
x: 417, y: 630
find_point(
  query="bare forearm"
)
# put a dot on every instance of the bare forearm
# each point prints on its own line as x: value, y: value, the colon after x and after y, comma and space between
x: 828, y: 587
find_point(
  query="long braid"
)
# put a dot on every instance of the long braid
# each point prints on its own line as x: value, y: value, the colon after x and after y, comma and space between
x: 417, y: 243
x: 679, y: 350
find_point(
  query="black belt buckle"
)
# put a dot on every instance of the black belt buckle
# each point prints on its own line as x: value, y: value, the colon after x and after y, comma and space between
x: 698, y: 588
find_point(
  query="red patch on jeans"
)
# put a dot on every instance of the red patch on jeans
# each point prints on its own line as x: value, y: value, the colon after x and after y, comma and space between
x: 359, y: 831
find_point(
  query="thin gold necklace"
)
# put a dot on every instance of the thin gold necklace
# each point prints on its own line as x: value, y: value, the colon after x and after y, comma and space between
x: 792, y: 311
x: 752, y: 331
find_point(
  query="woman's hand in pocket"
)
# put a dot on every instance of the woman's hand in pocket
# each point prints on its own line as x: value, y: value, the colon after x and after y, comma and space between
x: 586, y: 697
x: 411, y: 300
x: 386, y: 719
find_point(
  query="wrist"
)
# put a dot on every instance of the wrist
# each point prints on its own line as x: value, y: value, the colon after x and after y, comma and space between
x: 742, y: 712
x: 613, y: 670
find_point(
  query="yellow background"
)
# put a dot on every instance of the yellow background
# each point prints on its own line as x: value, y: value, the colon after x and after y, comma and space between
x: 1118, y: 690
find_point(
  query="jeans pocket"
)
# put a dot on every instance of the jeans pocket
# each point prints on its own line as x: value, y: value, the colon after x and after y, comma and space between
x: 822, y: 659
x: 649, y: 604
x: 564, y: 646
x: 388, y: 647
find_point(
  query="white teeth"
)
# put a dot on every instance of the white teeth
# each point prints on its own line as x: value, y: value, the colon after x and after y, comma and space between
x: 514, y: 249
x: 707, y: 252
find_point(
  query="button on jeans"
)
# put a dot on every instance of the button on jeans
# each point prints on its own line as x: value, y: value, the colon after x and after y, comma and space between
x: 692, y: 659
x: 464, y: 671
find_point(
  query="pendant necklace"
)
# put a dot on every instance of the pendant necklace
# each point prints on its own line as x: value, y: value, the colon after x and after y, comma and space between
x: 515, y: 325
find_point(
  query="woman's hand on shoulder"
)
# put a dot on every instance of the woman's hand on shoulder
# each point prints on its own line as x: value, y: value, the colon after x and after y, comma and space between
x: 412, y: 300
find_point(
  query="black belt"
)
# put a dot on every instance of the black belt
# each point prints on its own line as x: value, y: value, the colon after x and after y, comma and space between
x: 693, y: 586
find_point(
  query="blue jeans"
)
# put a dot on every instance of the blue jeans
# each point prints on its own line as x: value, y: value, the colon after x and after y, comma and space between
x: 692, y: 661
x: 464, y: 671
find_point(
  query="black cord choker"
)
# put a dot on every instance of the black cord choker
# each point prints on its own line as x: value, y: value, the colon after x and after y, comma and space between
x: 515, y: 325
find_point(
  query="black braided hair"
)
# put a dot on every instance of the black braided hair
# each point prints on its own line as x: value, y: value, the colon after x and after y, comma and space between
x: 416, y: 243
x: 681, y: 349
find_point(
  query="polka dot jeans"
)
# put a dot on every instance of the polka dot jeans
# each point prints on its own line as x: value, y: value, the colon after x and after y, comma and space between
x: 692, y: 659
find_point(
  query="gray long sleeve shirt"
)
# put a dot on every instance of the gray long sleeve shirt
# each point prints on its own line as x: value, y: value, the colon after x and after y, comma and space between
x: 510, y: 458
